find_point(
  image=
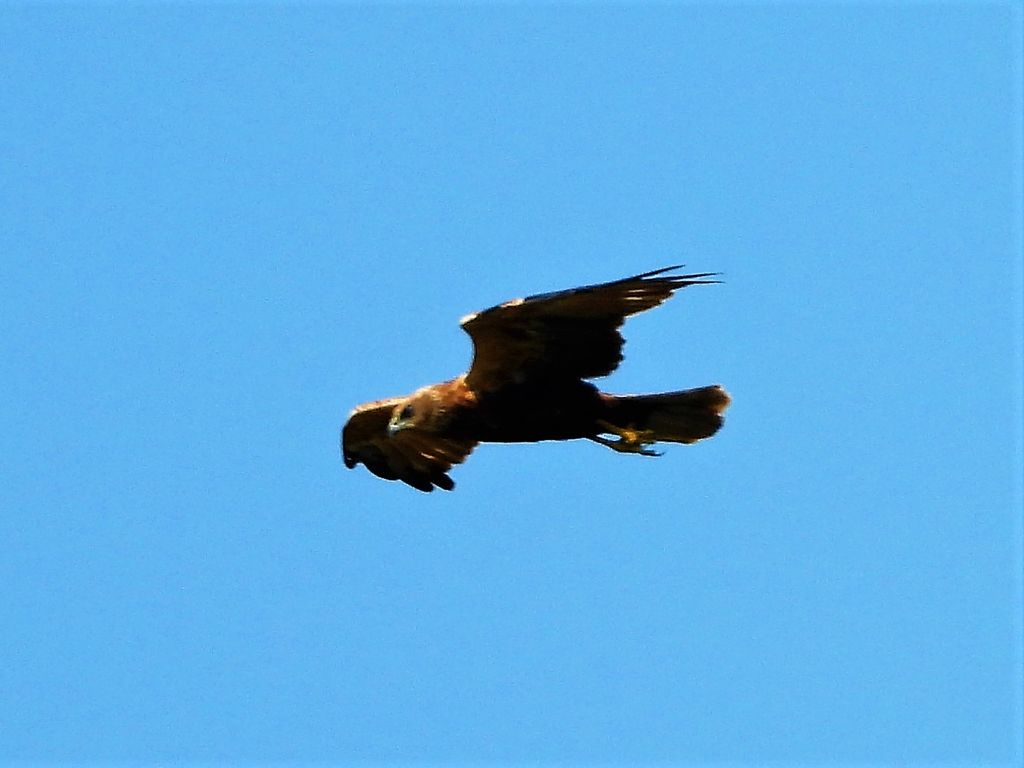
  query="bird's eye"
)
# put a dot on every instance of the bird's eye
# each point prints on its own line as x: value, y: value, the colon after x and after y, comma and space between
x: 406, y: 413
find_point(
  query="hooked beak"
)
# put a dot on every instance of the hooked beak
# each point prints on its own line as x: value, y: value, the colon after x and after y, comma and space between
x: 394, y: 427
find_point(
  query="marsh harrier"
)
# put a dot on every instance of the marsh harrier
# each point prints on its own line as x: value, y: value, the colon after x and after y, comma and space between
x: 528, y: 382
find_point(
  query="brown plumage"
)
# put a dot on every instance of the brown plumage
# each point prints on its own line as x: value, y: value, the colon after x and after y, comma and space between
x: 527, y: 383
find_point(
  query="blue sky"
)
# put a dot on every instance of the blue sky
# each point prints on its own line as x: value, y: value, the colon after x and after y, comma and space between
x: 223, y: 226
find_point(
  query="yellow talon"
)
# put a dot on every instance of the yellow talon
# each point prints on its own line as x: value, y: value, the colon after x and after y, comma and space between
x: 630, y: 440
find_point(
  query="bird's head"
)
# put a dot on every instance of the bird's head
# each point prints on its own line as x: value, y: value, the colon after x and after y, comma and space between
x: 414, y: 412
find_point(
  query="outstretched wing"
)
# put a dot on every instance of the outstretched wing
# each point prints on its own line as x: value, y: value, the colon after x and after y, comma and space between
x: 419, y: 460
x: 568, y: 334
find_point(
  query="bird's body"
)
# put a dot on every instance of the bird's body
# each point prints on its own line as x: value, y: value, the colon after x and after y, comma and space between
x: 528, y: 383
x: 524, y: 413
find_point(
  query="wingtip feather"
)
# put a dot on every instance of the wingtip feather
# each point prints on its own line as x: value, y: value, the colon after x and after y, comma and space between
x: 690, y: 279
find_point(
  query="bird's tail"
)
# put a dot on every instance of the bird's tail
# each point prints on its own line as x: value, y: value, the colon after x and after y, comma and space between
x: 673, y: 417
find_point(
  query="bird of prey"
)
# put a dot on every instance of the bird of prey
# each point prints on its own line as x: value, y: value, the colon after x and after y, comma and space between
x: 528, y: 382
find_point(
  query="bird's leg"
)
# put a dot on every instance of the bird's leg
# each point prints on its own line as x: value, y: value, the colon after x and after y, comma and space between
x: 630, y: 440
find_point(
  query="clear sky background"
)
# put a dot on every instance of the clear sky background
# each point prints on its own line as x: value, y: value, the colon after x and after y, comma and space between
x: 222, y: 227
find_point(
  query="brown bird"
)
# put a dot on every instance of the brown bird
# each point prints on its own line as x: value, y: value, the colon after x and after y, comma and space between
x: 527, y: 383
